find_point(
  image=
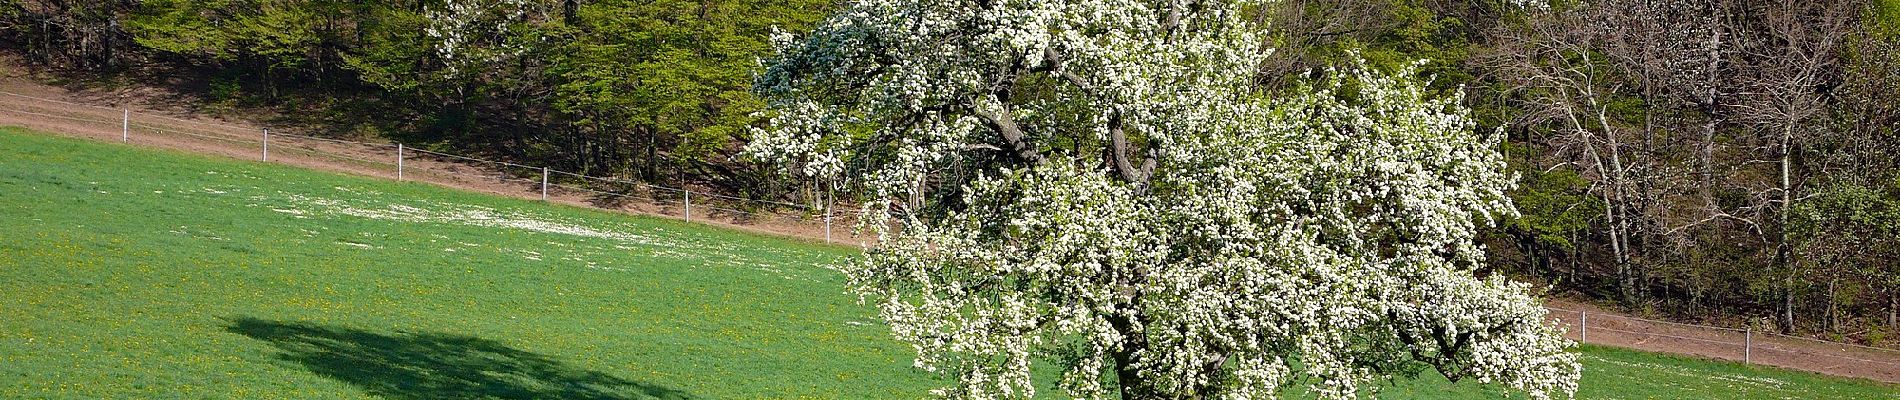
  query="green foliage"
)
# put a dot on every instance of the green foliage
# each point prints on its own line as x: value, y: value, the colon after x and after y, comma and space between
x: 1851, y: 229
x: 1887, y: 14
x: 1388, y: 34
x: 1552, y: 204
x: 672, y: 68
x: 292, y: 36
x: 1865, y: 212
x: 603, y: 86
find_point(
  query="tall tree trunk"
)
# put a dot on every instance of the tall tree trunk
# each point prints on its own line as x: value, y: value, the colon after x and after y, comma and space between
x: 1783, y: 256
x: 1708, y: 127
x: 1616, y: 248
x: 1620, y: 235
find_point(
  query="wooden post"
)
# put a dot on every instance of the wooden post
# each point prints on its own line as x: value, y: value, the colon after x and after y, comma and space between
x: 125, y: 126
x: 544, y: 183
x: 267, y: 144
x: 1748, y: 346
x: 830, y: 198
x: 1585, y: 324
x: 399, y: 161
x: 689, y: 204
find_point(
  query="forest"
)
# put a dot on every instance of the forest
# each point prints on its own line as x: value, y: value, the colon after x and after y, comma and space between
x: 1719, y: 161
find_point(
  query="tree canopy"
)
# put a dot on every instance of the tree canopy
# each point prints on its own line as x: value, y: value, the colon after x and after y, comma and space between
x: 1101, y: 184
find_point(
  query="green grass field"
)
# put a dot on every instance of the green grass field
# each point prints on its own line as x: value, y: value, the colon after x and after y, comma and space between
x: 133, y: 273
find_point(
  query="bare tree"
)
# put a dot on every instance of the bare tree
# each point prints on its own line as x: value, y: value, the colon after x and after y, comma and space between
x: 1570, y: 70
x: 1788, y: 64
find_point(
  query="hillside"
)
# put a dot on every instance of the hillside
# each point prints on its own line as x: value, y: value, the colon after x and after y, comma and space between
x: 1675, y: 161
x: 153, y: 274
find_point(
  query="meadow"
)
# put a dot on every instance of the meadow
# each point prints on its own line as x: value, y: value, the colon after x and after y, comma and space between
x: 135, y: 273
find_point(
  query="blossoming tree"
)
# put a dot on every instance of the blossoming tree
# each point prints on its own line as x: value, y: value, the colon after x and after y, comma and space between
x: 1095, y: 184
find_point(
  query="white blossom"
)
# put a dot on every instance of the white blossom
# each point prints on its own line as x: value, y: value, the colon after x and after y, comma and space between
x: 1236, y: 245
x: 460, y: 30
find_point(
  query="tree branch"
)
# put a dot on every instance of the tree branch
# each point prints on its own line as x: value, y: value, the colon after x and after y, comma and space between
x: 1118, y: 138
x: 1005, y: 126
x: 1119, y: 152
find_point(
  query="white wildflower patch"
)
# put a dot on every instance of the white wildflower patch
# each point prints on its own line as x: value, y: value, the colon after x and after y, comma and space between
x: 1694, y: 375
x: 464, y: 214
x: 605, y: 268
x: 620, y: 238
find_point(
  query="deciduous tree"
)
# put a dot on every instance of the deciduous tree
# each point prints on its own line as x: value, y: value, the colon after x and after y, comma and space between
x: 1098, y: 184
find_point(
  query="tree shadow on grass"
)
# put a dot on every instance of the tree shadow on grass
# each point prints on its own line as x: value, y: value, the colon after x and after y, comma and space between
x: 426, y: 365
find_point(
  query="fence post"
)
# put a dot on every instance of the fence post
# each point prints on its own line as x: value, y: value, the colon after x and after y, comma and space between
x: 125, y: 126
x: 266, y: 144
x: 544, y: 183
x: 1585, y: 323
x: 398, y: 161
x: 1748, y: 346
x: 689, y: 203
x: 827, y: 223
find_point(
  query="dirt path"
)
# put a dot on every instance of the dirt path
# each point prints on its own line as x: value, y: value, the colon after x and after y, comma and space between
x: 1611, y: 328
x: 156, y: 123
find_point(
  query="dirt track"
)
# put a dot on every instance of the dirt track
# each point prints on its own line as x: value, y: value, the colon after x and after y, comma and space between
x: 99, y: 116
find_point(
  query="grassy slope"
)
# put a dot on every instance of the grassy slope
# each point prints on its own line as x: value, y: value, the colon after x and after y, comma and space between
x: 1614, y: 373
x: 133, y: 273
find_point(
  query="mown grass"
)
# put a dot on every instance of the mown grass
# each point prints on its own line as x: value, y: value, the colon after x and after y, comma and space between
x: 132, y: 273
x: 1614, y: 373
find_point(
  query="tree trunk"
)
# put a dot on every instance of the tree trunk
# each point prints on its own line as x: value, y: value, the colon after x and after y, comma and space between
x: 1709, y: 106
x: 1787, y: 307
x: 1528, y: 245
x: 1127, y: 377
x: 1616, y: 249
x: 1833, y: 305
x: 1575, y: 250
x: 1782, y: 251
x: 648, y: 171
x: 1893, y: 308
x: 1619, y: 229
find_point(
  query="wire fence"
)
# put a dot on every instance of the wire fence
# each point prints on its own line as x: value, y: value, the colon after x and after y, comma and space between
x: 1746, y: 345
x: 406, y: 163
